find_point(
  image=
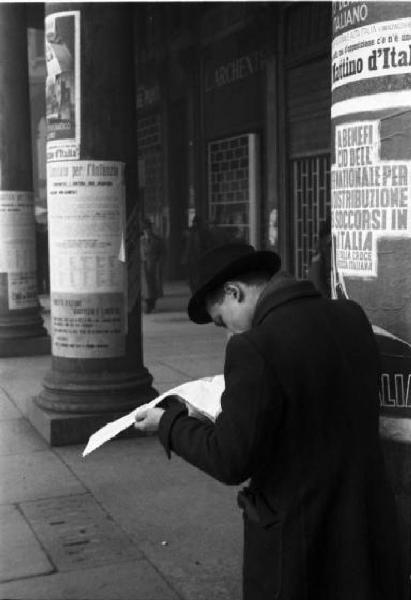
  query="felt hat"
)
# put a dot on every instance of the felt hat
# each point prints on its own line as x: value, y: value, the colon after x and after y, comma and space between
x: 222, y: 263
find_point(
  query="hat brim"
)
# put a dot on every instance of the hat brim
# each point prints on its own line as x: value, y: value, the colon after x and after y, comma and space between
x: 261, y: 260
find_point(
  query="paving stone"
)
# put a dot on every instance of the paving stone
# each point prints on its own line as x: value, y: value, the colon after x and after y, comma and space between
x: 77, y: 533
x: 158, y: 499
x: 129, y: 581
x: 33, y: 476
x: 150, y: 498
x: 165, y: 374
x: 196, y: 368
x: 7, y: 409
x: 17, y: 436
x: 20, y: 553
x: 21, y: 377
x: 218, y: 577
x: 162, y: 387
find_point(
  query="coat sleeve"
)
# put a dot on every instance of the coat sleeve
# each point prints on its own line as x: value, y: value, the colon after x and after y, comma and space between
x: 231, y: 448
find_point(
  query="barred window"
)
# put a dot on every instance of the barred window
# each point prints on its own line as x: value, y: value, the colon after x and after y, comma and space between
x: 312, y: 202
x: 233, y: 167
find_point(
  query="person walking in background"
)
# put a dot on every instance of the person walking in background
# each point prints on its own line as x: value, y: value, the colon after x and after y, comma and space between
x: 197, y: 242
x: 43, y: 269
x: 320, y: 269
x: 152, y: 257
x: 299, y: 423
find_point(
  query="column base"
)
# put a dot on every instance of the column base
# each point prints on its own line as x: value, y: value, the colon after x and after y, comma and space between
x: 64, y: 429
x: 95, y: 393
x: 22, y: 334
x: 72, y: 406
x: 25, y: 346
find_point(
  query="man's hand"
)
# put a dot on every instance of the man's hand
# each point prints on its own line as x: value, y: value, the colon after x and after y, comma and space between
x: 149, y: 419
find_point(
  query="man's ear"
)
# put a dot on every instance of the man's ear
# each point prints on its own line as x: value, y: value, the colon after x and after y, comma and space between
x: 233, y: 289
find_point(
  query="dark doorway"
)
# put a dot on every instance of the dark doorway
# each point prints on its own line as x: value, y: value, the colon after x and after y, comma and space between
x: 177, y: 186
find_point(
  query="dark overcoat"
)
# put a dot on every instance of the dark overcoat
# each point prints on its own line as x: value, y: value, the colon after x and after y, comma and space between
x: 300, y: 420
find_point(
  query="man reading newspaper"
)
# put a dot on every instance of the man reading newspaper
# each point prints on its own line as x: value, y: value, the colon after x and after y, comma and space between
x: 299, y: 420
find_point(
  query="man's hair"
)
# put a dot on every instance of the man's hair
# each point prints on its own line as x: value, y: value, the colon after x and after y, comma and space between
x: 251, y: 278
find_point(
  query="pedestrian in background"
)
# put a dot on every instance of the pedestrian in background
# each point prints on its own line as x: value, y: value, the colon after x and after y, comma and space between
x: 43, y: 269
x: 197, y: 242
x: 299, y: 422
x: 152, y: 257
x: 320, y: 269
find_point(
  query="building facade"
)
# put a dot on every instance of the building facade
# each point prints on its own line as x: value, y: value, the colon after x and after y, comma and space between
x: 234, y: 102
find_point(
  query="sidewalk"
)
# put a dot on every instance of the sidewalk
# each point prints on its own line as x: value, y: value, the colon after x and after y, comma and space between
x: 125, y: 523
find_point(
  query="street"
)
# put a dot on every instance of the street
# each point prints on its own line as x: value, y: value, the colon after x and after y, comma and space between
x: 125, y: 522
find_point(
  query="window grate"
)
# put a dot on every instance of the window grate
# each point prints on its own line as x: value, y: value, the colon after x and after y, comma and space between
x: 151, y: 164
x: 312, y: 201
x: 234, y: 186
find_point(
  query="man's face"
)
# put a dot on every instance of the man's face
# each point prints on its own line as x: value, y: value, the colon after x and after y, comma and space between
x: 235, y: 311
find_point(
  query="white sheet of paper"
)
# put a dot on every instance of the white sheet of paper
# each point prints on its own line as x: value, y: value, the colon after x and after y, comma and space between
x: 202, y: 395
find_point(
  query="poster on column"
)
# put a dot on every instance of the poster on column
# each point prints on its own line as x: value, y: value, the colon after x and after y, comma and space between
x: 63, y: 85
x: 372, y: 40
x: 86, y: 201
x: 370, y: 199
x: 371, y: 179
x: 18, y: 248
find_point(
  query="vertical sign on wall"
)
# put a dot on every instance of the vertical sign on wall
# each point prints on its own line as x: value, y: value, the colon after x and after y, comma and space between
x: 63, y: 85
x: 371, y: 179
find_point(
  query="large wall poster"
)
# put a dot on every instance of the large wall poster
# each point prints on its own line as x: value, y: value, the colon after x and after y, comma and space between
x: 371, y: 179
x: 86, y: 202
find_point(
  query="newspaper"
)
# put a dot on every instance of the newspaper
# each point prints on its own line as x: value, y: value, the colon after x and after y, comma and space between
x: 201, y: 396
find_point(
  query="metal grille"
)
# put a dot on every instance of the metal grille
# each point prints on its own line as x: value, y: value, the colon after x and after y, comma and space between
x: 312, y: 201
x: 229, y: 186
x: 151, y: 166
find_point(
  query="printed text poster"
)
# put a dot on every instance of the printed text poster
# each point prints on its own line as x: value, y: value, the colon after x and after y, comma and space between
x: 18, y: 248
x: 87, y: 269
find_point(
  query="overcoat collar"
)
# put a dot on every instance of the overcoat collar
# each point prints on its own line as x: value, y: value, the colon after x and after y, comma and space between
x: 280, y: 289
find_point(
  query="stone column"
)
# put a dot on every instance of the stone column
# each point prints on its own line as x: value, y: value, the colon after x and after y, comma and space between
x: 21, y: 326
x: 371, y: 205
x: 97, y: 368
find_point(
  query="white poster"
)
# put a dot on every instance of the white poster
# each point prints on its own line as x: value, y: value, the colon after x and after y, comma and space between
x: 86, y: 201
x: 63, y: 85
x: 18, y: 248
x: 370, y: 198
x: 88, y: 325
x: 374, y: 50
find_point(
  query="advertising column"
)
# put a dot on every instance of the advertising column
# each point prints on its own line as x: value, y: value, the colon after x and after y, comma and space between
x: 371, y: 201
x: 97, y: 370
x: 21, y: 327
